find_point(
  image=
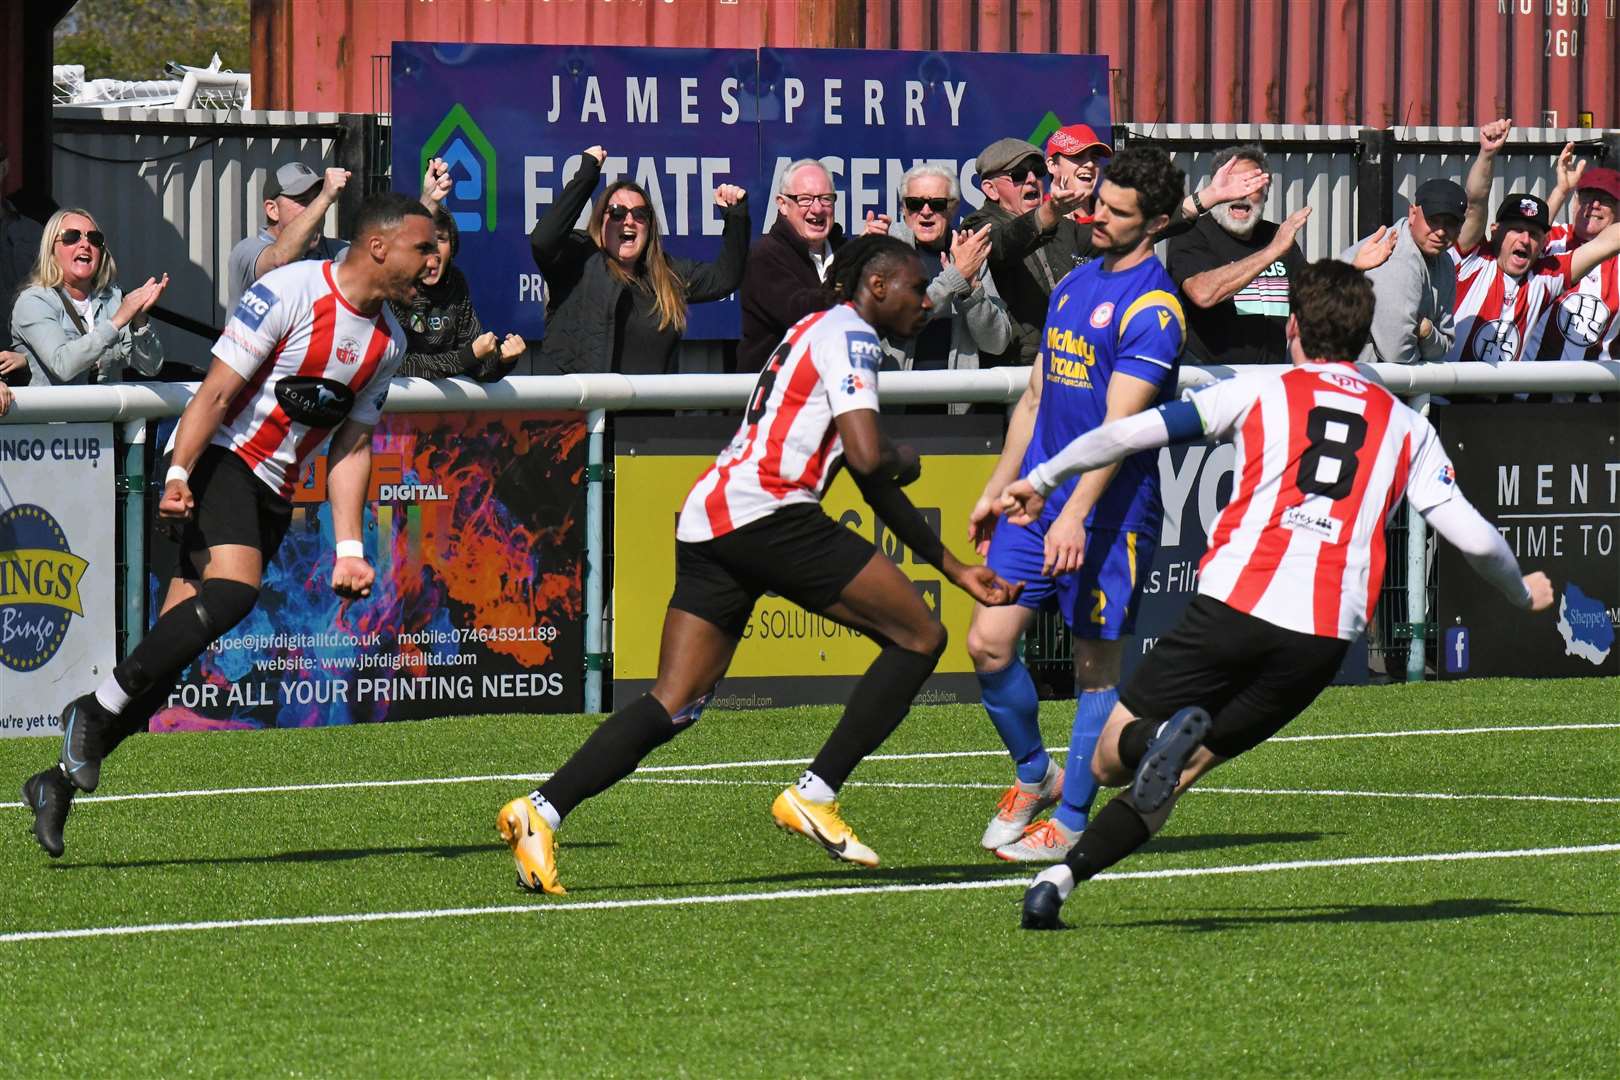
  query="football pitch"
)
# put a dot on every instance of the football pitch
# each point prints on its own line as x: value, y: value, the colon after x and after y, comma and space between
x: 1415, y: 880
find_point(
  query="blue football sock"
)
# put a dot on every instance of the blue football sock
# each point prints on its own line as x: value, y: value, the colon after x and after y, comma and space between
x: 1010, y: 699
x: 1091, y: 711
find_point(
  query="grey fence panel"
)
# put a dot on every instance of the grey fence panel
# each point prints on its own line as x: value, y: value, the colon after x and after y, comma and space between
x: 1526, y: 163
x: 174, y: 190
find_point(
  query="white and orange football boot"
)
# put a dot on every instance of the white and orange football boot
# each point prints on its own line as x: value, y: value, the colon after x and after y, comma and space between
x: 533, y: 844
x: 1019, y: 805
x: 822, y: 823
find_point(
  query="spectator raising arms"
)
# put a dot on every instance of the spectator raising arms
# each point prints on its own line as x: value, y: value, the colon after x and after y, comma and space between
x: 617, y: 301
x: 443, y: 336
x: 72, y: 321
x: 295, y: 203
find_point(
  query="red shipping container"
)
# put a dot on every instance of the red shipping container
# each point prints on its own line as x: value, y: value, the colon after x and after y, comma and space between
x: 1378, y: 63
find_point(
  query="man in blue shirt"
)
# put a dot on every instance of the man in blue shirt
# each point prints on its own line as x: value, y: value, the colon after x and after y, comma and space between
x: 1111, y: 347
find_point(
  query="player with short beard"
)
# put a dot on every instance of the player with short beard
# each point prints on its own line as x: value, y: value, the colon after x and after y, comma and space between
x: 1111, y: 347
x: 310, y: 347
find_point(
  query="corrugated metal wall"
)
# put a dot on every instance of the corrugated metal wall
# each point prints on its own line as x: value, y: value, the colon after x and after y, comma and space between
x: 1378, y: 63
x: 176, y: 202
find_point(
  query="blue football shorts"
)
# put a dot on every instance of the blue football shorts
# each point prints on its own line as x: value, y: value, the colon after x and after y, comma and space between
x: 1098, y: 601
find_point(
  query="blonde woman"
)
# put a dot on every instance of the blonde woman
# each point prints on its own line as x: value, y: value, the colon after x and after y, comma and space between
x: 72, y: 321
x: 616, y: 301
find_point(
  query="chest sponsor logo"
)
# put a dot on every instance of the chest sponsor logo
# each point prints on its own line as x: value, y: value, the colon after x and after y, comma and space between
x: 1102, y: 314
x: 864, y: 350
x: 1497, y: 342
x: 320, y: 403
x: 1304, y: 518
x: 1583, y: 318
x: 255, y: 305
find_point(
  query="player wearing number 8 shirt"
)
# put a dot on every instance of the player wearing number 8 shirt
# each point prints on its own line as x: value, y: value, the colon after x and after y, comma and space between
x: 1324, y: 455
x: 753, y: 524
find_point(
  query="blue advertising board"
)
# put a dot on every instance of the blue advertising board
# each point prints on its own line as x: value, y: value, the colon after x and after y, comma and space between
x: 513, y: 119
x: 870, y: 115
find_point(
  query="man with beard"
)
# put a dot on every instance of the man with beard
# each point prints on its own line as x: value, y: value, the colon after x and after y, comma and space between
x: 1506, y: 283
x: 1035, y: 241
x: 1113, y: 339
x: 1233, y: 268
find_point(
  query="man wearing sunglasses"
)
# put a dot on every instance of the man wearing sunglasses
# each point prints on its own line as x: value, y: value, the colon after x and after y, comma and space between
x: 786, y: 266
x: 965, y: 318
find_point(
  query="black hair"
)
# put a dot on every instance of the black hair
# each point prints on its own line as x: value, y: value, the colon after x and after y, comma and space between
x: 386, y: 211
x: 445, y: 222
x: 1148, y: 171
x: 865, y: 255
x: 1332, y: 303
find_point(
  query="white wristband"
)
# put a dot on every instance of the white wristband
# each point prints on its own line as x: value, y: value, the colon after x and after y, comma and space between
x: 351, y: 549
x: 177, y: 472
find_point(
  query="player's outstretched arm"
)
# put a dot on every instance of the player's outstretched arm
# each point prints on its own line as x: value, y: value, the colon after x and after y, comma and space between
x: 1467, y: 530
x: 1020, y: 429
x: 1605, y: 245
x: 201, y: 418
x: 878, y: 468
x: 348, y: 477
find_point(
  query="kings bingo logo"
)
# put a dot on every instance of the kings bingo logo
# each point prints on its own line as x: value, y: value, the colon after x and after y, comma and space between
x: 39, y: 587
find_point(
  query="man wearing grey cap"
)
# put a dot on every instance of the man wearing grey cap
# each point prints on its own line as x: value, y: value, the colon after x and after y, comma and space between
x: 295, y: 203
x: 1416, y: 289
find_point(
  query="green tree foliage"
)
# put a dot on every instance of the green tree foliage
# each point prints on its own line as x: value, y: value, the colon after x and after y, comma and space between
x: 133, y: 39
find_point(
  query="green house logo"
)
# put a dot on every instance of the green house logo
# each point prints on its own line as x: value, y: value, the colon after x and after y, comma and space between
x: 463, y: 146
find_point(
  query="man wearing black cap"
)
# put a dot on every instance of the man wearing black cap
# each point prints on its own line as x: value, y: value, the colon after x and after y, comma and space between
x: 1417, y: 288
x: 1506, y: 283
x: 1582, y: 324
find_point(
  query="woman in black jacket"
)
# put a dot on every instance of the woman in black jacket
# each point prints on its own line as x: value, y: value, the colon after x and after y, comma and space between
x: 615, y: 300
x: 443, y: 336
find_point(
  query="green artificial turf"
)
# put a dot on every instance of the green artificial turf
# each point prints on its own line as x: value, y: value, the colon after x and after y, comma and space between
x: 1471, y: 967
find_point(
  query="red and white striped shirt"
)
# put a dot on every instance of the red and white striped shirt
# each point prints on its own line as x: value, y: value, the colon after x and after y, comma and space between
x: 1323, y: 457
x: 303, y: 350
x: 1581, y: 324
x: 788, y: 444
x: 1560, y: 238
x: 1496, y: 313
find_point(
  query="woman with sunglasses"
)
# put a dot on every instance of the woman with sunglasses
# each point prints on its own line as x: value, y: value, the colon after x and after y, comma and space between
x: 966, y: 317
x: 615, y: 300
x: 72, y: 321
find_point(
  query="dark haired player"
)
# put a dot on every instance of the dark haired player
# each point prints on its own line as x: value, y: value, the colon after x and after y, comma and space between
x: 310, y: 347
x: 1113, y: 339
x: 1294, y: 561
x: 753, y: 523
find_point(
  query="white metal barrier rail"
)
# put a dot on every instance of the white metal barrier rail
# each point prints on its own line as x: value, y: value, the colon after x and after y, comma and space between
x: 596, y: 395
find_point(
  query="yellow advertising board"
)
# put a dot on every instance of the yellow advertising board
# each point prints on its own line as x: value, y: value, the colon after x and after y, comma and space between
x: 787, y: 655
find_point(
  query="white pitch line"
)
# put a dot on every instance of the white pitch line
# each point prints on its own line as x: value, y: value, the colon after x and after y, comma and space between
x: 1440, y: 731
x: 1458, y: 796
x: 544, y: 908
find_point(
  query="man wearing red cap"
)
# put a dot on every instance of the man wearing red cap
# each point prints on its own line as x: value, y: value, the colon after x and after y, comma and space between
x: 1507, y: 283
x: 1074, y: 157
x: 1582, y: 323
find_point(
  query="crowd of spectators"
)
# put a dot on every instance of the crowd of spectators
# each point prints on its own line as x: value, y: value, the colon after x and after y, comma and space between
x: 1462, y: 280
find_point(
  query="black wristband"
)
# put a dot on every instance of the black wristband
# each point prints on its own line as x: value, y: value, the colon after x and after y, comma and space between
x: 883, y: 495
x: 1198, y: 204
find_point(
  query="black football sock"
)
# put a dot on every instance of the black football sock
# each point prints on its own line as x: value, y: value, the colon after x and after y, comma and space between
x: 180, y: 636
x: 611, y: 753
x: 133, y: 719
x: 880, y: 701
x: 1114, y: 832
x: 1133, y: 741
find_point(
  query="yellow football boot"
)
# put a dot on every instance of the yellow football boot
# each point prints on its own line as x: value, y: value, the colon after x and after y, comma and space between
x: 533, y: 844
x: 821, y: 823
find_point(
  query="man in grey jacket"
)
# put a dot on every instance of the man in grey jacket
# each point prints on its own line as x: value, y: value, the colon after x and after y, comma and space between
x: 1416, y: 289
x: 966, y: 318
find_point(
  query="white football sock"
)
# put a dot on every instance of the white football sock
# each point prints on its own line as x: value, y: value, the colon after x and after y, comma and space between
x: 545, y: 809
x: 113, y: 698
x: 815, y: 789
x: 1059, y: 875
